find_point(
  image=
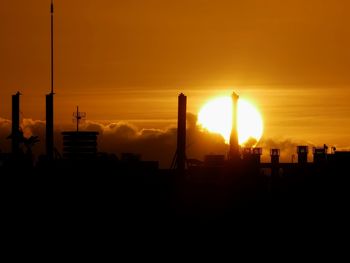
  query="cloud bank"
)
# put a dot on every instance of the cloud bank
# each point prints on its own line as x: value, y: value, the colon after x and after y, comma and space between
x: 152, y: 144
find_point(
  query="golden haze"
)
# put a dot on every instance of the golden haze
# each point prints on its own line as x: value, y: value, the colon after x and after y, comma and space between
x: 129, y: 60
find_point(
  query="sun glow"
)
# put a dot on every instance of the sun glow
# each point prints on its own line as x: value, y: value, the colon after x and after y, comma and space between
x: 216, y: 116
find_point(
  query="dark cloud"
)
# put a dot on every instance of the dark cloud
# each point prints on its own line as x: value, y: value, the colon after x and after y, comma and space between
x: 29, y: 127
x: 157, y: 144
x: 5, y: 130
x: 33, y: 127
x: 152, y: 144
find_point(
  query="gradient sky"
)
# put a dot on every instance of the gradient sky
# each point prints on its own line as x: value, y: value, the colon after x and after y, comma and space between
x: 128, y: 60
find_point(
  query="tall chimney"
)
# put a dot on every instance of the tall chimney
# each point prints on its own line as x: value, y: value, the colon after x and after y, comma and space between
x: 234, y: 147
x: 181, y: 132
x: 15, y: 123
x: 49, y: 126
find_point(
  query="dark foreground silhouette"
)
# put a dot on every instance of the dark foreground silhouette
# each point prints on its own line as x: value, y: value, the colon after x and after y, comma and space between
x: 89, y: 194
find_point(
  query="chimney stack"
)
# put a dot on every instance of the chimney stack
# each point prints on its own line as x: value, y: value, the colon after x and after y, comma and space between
x: 275, y: 160
x: 15, y: 123
x: 181, y: 133
x: 275, y: 156
x: 49, y: 126
x: 234, y: 146
x: 302, y: 154
x: 320, y: 154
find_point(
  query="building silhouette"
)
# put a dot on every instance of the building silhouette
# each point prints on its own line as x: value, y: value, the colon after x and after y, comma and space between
x: 79, y: 145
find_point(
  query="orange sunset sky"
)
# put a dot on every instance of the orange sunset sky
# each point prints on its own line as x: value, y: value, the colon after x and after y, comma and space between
x: 128, y: 60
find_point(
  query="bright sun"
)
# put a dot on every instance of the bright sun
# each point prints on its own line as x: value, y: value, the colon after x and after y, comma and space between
x: 216, y: 116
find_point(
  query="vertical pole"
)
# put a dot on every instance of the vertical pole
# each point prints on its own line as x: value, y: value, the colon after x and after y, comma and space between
x: 52, y: 57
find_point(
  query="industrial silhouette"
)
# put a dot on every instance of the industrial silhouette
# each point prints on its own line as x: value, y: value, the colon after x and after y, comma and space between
x: 219, y: 186
x: 216, y: 187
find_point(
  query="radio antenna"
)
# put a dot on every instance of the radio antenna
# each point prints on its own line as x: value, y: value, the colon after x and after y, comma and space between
x: 52, y: 57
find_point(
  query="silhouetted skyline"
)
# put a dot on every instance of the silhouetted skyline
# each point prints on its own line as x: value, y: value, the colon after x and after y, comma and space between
x: 142, y: 70
x: 124, y: 62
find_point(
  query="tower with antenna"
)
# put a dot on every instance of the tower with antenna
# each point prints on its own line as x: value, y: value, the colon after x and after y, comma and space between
x: 79, y: 145
x: 49, y: 98
x: 78, y: 117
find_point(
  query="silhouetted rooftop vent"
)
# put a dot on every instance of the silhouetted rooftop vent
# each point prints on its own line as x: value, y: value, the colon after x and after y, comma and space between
x: 275, y: 152
x: 275, y: 156
x: 320, y: 154
x: 302, y: 149
x: 302, y: 152
x: 257, y: 151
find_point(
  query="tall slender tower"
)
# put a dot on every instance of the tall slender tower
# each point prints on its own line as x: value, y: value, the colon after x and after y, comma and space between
x: 49, y: 101
x: 181, y: 133
x: 15, y: 124
x: 234, y: 146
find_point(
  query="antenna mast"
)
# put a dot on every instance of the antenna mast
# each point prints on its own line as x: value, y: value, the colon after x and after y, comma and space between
x: 52, y: 57
x: 79, y: 117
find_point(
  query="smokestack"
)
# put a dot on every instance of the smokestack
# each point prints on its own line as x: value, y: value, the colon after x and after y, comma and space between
x: 275, y: 156
x: 275, y: 160
x: 320, y: 154
x: 302, y: 154
x: 15, y: 123
x: 49, y: 126
x: 257, y: 152
x: 234, y: 147
x: 181, y: 132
